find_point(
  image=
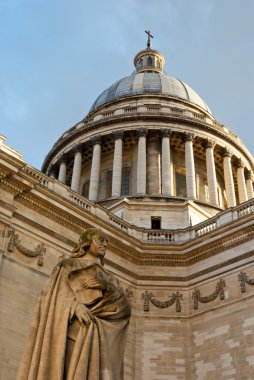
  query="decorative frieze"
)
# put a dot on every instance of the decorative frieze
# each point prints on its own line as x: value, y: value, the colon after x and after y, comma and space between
x: 175, y: 298
x: 15, y: 241
x: 244, y: 279
x: 219, y: 291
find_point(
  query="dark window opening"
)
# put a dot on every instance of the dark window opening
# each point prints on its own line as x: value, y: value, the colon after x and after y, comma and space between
x: 149, y: 61
x: 125, y: 186
x: 85, y: 191
x: 156, y: 223
x: 181, y: 190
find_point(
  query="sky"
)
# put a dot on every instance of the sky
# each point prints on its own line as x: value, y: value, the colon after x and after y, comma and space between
x: 57, y: 56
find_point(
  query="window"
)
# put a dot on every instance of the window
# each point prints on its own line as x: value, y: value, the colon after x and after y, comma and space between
x: 149, y: 61
x: 125, y: 186
x: 109, y: 184
x: 181, y: 190
x: 156, y: 222
x: 85, y: 191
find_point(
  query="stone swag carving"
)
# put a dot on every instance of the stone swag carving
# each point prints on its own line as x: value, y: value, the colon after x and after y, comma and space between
x: 175, y: 298
x: 81, y: 319
x: 219, y: 291
x: 15, y: 242
x: 244, y: 279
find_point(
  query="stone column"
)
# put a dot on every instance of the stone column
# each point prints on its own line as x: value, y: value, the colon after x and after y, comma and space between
x: 242, y: 190
x: 95, y: 169
x: 228, y: 179
x: 62, y: 170
x: 153, y: 164
x: 141, y: 164
x: 190, y: 167
x: 211, y: 173
x: 76, y: 172
x: 249, y: 185
x: 117, y: 164
x: 166, y: 165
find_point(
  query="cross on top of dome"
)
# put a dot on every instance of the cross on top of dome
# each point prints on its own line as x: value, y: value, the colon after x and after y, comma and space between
x: 149, y: 59
x: 149, y: 45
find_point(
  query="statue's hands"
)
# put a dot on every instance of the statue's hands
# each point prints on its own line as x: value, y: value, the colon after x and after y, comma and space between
x: 83, y: 314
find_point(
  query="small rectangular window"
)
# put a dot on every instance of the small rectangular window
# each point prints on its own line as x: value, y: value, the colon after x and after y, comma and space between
x: 125, y: 186
x: 156, y: 222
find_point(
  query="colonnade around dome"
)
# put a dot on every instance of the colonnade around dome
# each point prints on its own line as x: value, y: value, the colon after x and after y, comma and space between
x: 162, y: 163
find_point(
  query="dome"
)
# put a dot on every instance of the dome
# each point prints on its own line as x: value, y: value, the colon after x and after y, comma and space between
x: 148, y: 82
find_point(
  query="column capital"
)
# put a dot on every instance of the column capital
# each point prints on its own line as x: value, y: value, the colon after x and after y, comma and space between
x: 209, y: 144
x: 240, y: 163
x: 62, y: 158
x: 142, y: 132
x: 118, y: 135
x: 166, y: 132
x: 188, y: 137
x: 77, y: 149
x: 226, y: 152
x: 96, y: 140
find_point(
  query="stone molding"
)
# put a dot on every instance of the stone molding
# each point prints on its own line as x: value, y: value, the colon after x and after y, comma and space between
x: 44, y: 229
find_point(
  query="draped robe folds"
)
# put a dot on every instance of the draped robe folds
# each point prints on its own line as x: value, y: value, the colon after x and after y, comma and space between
x: 96, y: 351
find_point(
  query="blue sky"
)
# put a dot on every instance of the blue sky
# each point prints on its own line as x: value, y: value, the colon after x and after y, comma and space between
x: 57, y: 56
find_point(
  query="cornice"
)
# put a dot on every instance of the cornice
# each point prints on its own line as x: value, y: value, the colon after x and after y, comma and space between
x: 193, y: 255
x: 44, y: 229
x: 53, y: 212
x: 7, y: 206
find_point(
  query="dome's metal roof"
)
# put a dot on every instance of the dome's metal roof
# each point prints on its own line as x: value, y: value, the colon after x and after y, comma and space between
x: 149, y: 83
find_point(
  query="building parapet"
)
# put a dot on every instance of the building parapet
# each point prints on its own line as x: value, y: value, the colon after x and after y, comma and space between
x: 146, y: 235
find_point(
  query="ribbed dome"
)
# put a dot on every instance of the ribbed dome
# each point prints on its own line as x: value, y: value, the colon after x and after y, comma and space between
x: 149, y: 83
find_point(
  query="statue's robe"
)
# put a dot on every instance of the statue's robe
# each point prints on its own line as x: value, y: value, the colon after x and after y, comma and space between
x: 58, y: 346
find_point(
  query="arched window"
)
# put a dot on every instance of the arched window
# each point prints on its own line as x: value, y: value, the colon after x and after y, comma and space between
x: 149, y: 61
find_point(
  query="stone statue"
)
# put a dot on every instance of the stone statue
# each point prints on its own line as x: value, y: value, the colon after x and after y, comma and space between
x: 79, y: 328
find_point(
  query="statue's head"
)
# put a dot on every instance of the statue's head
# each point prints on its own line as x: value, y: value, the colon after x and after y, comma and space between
x: 92, y: 239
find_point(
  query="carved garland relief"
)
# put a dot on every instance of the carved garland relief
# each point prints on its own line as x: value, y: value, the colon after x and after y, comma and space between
x: 15, y: 242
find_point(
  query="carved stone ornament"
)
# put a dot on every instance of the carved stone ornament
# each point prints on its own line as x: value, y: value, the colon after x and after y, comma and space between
x: 188, y: 137
x: 129, y: 294
x: 244, y: 279
x: 166, y: 133
x: 96, y: 140
x: 15, y: 242
x: 219, y: 291
x: 175, y: 298
x: 142, y: 132
x: 117, y: 135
